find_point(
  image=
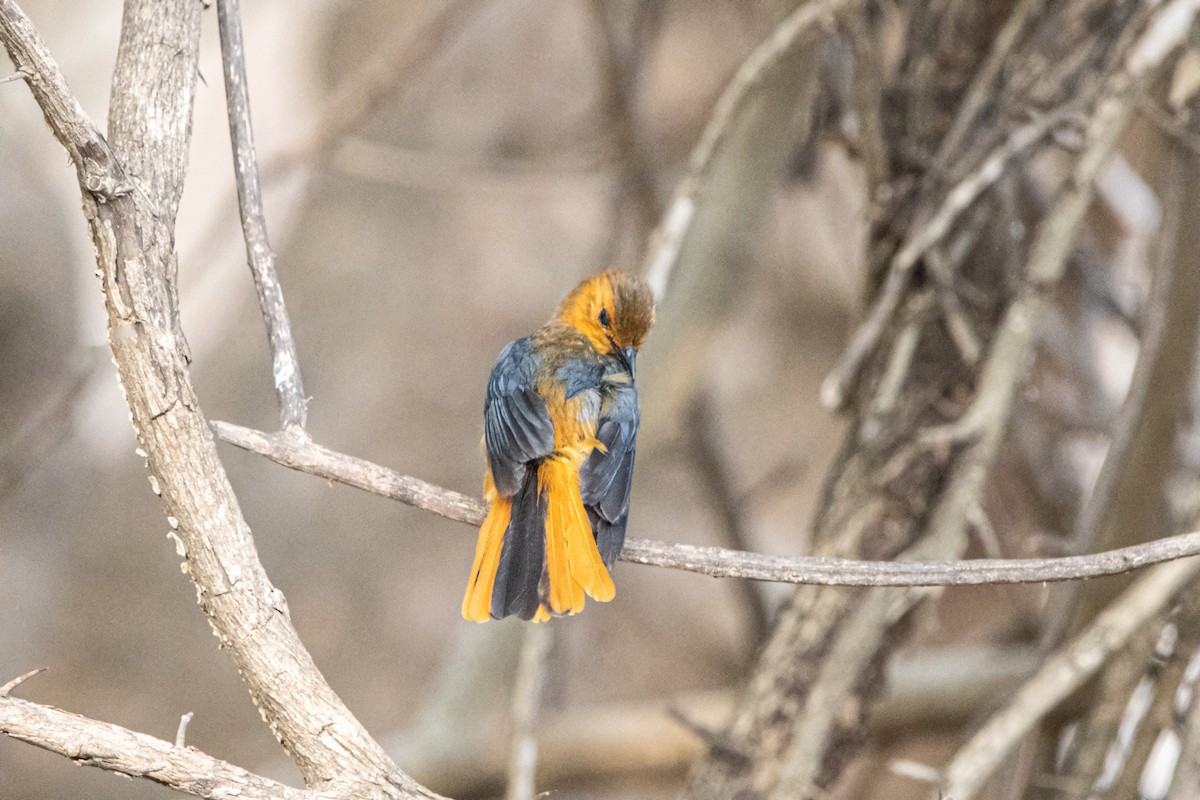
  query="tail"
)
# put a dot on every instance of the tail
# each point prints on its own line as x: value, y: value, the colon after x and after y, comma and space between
x: 536, y: 555
x: 477, y: 602
x: 574, y: 565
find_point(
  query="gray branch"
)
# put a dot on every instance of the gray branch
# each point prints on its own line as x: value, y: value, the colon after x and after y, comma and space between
x: 98, y: 744
x: 1063, y: 673
x: 285, y: 362
x: 131, y: 222
x: 296, y: 451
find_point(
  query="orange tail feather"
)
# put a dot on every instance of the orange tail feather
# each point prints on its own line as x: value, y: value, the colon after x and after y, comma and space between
x: 562, y: 597
x: 568, y: 531
x: 477, y: 603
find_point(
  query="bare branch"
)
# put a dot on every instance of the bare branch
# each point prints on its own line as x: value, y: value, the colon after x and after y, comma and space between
x: 7, y: 688
x: 110, y: 747
x: 836, y: 388
x: 799, y: 29
x: 285, y: 362
x: 181, y: 731
x: 133, y: 233
x: 526, y: 701
x: 295, y: 450
x: 985, y: 78
x: 99, y: 174
x: 1062, y: 674
x: 299, y: 453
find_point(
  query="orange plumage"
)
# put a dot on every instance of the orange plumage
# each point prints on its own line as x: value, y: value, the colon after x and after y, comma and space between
x: 560, y: 419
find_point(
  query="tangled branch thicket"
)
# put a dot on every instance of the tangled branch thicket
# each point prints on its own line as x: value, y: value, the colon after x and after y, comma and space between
x: 989, y: 143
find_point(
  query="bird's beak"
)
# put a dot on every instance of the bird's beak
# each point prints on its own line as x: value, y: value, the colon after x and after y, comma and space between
x: 629, y: 359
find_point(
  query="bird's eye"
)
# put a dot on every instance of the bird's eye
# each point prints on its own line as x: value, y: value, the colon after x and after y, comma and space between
x: 604, y: 320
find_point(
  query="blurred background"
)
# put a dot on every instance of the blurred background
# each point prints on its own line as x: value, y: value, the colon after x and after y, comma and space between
x: 437, y: 177
x: 481, y: 182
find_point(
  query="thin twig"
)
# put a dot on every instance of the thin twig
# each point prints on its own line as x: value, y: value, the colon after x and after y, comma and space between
x: 109, y: 747
x: 301, y: 454
x: 667, y: 240
x: 527, y: 699
x: 181, y: 731
x: 983, y: 84
x: 285, y: 363
x: 7, y: 688
x: 1062, y: 674
x: 835, y: 390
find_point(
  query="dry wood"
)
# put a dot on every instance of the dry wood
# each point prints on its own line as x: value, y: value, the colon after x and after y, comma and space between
x: 131, y: 192
x: 285, y: 362
x: 293, y: 449
x: 626, y: 740
x: 899, y: 489
x: 109, y: 747
x: 1061, y: 674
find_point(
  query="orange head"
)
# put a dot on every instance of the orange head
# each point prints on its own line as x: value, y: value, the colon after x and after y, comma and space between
x: 613, y: 310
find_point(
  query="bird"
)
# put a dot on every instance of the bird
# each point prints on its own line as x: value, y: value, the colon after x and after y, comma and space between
x: 560, y: 427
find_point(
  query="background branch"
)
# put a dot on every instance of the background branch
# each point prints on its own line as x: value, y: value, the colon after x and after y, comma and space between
x: 285, y: 361
x: 526, y: 703
x: 1061, y: 674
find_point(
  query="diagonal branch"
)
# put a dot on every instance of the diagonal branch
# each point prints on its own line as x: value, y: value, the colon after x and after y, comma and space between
x: 835, y: 390
x: 99, y: 174
x: 98, y: 744
x: 1063, y: 673
x: 300, y: 453
x: 802, y: 28
x: 285, y: 363
x: 133, y: 233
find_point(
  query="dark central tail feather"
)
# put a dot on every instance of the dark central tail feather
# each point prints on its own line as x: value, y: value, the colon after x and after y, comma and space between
x: 610, y: 536
x: 523, y: 556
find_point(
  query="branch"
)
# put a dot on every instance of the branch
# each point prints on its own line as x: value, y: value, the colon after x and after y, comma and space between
x: 98, y: 744
x: 99, y: 174
x: 133, y: 233
x: 526, y: 702
x: 285, y: 362
x: 1062, y: 674
x: 797, y: 30
x: 296, y: 451
x: 835, y: 390
x: 624, y: 740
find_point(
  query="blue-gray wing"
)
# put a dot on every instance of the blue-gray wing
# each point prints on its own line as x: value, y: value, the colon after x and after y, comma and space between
x: 517, y: 427
x: 605, y: 478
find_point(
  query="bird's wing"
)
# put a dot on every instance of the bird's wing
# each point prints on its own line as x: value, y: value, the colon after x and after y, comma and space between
x: 606, y: 476
x: 517, y: 426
